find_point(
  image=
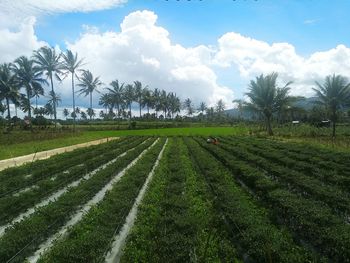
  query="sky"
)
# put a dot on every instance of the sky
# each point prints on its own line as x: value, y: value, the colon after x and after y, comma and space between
x: 202, y: 49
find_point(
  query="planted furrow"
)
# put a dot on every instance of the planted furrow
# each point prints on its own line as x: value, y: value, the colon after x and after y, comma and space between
x: 90, y: 239
x: 295, y: 181
x: 331, y: 174
x: 248, y: 223
x: 24, y: 238
x: 14, y: 179
x: 310, y: 220
x: 48, y: 189
x: 122, y: 151
x: 120, y: 238
x: 176, y: 222
x: 326, y: 159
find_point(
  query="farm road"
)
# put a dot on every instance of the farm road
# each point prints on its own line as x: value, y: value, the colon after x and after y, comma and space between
x: 46, y: 154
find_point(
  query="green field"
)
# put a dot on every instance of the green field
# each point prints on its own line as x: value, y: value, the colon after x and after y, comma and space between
x: 244, y: 200
x: 22, y: 143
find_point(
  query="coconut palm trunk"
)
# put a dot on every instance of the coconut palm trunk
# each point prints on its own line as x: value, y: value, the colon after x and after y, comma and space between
x: 8, y: 108
x: 334, y: 120
x: 54, y: 99
x: 140, y: 109
x: 73, y: 93
x: 29, y: 106
x: 90, y: 104
x: 130, y: 110
x: 268, y: 124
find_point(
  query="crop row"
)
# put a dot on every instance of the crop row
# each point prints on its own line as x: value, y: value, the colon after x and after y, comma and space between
x: 311, y: 221
x: 292, y: 179
x: 24, y: 237
x: 256, y: 236
x: 176, y: 221
x: 12, y: 206
x: 293, y: 161
x: 310, y: 162
x: 90, y: 239
x: 13, y: 179
x: 324, y: 158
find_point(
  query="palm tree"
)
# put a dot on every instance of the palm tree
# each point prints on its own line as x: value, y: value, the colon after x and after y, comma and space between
x: 71, y: 64
x: 83, y: 115
x: 48, y: 62
x: 37, y: 92
x: 266, y: 98
x: 220, y: 107
x: 88, y: 85
x: 76, y: 112
x: 106, y: 102
x: 147, y: 99
x: 202, y: 107
x: 188, y: 106
x: 30, y: 78
x: 91, y: 112
x: 117, y: 94
x: 49, y: 109
x: 65, y: 113
x: 9, y: 88
x: 138, y: 89
x: 174, y: 103
x: 129, y: 96
x: 54, y: 99
x: 163, y: 103
x: 333, y: 95
x: 156, y: 101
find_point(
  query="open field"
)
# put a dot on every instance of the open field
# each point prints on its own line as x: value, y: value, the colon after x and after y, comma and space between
x: 179, y: 199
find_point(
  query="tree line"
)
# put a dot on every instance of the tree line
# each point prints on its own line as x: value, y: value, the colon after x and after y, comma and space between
x: 45, y: 67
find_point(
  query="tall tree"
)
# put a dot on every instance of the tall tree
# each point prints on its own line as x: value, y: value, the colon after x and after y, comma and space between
x: 29, y: 77
x: 202, y: 107
x: 188, y: 105
x: 156, y: 101
x: 174, y: 103
x: 88, y: 85
x: 333, y: 95
x: 139, y: 94
x: 147, y: 99
x: 48, y: 62
x: 65, y: 113
x: 71, y: 64
x: 164, y: 102
x: 117, y: 95
x: 9, y: 88
x: 129, y: 96
x: 220, y: 107
x: 266, y: 98
x: 106, y: 102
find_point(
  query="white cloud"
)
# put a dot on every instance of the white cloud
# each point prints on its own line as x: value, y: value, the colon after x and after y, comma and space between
x: 16, y: 10
x: 310, y: 21
x: 19, y: 42
x: 143, y: 51
x: 253, y: 57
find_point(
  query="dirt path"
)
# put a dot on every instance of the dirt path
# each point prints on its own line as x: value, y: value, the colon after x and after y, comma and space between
x: 46, y: 154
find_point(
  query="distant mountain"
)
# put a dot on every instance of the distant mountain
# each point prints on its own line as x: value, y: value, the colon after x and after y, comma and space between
x: 307, y: 104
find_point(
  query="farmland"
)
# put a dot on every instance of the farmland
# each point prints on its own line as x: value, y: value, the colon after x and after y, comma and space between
x: 179, y: 199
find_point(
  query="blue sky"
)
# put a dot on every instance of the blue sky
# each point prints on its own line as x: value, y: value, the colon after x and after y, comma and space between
x: 216, y: 46
x: 309, y: 25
